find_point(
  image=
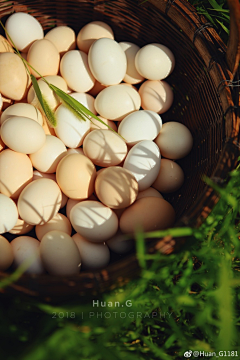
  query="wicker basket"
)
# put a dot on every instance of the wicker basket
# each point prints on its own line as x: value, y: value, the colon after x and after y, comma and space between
x: 205, y: 101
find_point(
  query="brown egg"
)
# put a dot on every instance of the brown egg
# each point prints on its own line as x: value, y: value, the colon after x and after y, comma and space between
x: 147, y: 214
x: 6, y: 254
x: 13, y: 79
x: 5, y: 46
x: 170, y: 177
x: 21, y: 228
x: 58, y: 222
x: 16, y: 172
x: 150, y: 192
x: 174, y: 140
x: 116, y: 187
x: 44, y: 57
x: 63, y: 37
x: 76, y: 175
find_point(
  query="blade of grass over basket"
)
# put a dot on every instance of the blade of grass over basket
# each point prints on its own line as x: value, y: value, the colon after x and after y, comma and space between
x: 140, y: 248
x: 17, y: 273
x: 44, y: 104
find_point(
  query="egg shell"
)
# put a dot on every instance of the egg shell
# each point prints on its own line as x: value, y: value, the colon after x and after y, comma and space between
x: 95, y: 124
x: 150, y: 192
x: 58, y: 222
x: 16, y: 172
x: 63, y: 37
x: 140, y: 125
x: 107, y: 61
x: 86, y: 100
x: 48, y: 156
x: 44, y: 57
x: 119, y: 243
x: 75, y: 69
x: 93, y: 31
x: 132, y: 75
x: 23, y: 134
x: 147, y: 214
x: 154, y: 61
x: 26, y: 249
x: 21, y: 228
x: 143, y: 160
x: 9, y: 213
x: 95, y: 90
x: 22, y: 110
x: 93, y: 220
x: 23, y: 29
x: 70, y: 129
x: 170, y: 177
x: 13, y: 76
x: 116, y: 187
x: 76, y: 176
x: 40, y: 201
x: 5, y: 46
x: 116, y: 102
x: 104, y: 147
x: 60, y: 254
x: 6, y: 254
x: 156, y: 95
x: 93, y: 255
x: 174, y: 140
x: 71, y: 203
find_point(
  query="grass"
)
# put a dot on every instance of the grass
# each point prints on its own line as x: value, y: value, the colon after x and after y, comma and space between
x: 181, y: 302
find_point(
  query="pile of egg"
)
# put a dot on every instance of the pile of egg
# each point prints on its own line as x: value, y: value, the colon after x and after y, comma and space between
x: 107, y: 184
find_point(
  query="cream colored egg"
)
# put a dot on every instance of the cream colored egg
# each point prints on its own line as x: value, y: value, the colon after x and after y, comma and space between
x: 23, y: 29
x: 48, y: 156
x: 49, y: 95
x: 58, y: 222
x: 5, y: 46
x: 140, y: 125
x: 143, y: 160
x: 147, y: 214
x: 60, y: 254
x: 23, y: 110
x: 26, y: 250
x: 76, y: 176
x: 16, y: 172
x: 116, y: 187
x: 9, y: 214
x: 91, y: 32
x: 6, y: 254
x: 170, y: 177
x: 86, y: 100
x: 120, y: 244
x: 13, y: 76
x: 43, y: 57
x: 174, y: 140
x: 70, y: 128
x: 150, y: 192
x: 116, y: 102
x: 107, y: 61
x: 63, y: 37
x: 154, y: 61
x: 96, y: 89
x: 95, y: 124
x: 132, y: 75
x: 21, y: 228
x: 93, y: 255
x: 94, y: 221
x: 104, y: 148
x: 40, y: 201
x: 23, y: 134
x: 156, y: 95
x: 75, y: 70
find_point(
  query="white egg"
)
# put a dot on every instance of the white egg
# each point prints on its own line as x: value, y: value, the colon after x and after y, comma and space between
x: 93, y: 220
x: 93, y: 255
x: 107, y: 61
x: 9, y: 214
x: 70, y: 128
x: 143, y: 160
x: 22, y: 109
x: 26, y: 249
x: 140, y: 125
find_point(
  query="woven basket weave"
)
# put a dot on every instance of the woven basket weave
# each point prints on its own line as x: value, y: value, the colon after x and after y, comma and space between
x: 205, y: 101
